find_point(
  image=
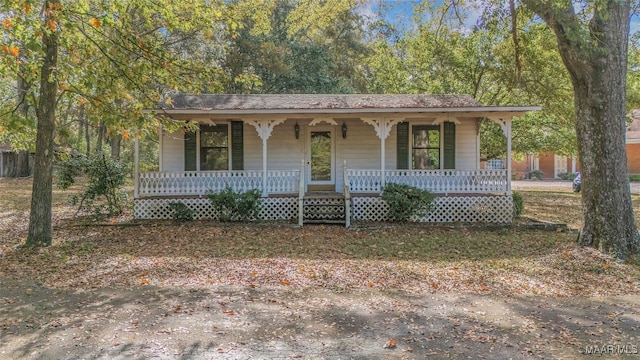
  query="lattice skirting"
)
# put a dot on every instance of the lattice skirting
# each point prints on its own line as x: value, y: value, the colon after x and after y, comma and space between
x: 281, y: 208
x: 466, y: 209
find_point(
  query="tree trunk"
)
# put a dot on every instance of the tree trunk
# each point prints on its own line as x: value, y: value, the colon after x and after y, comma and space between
x: 596, y: 58
x: 600, y: 95
x: 101, y: 131
x: 87, y: 134
x: 595, y: 55
x: 115, y: 141
x: 22, y: 164
x: 40, y: 217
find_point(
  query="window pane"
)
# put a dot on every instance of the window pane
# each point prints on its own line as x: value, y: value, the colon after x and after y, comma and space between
x: 214, y: 159
x: 321, y: 155
x: 426, y: 147
x: 216, y: 138
x: 424, y: 159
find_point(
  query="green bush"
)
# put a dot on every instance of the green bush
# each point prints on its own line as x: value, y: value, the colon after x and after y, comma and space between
x: 182, y: 212
x: 232, y: 206
x: 518, y: 204
x: 536, y: 175
x: 105, y: 179
x: 567, y: 176
x: 405, y: 201
x: 634, y: 177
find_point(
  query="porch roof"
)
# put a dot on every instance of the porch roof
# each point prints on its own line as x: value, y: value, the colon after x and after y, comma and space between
x: 334, y: 104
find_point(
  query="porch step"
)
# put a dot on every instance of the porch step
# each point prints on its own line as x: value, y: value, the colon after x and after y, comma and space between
x: 319, y: 209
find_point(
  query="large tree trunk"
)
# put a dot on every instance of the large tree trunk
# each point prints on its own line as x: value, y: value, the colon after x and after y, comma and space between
x: 596, y: 58
x: 40, y: 217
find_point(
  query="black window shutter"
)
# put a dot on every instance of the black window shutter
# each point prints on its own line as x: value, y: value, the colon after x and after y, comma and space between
x: 190, y: 151
x: 403, y: 145
x: 237, y: 147
x: 449, y: 145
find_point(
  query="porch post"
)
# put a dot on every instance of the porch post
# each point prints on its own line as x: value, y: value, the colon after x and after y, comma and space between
x: 509, y: 156
x: 136, y: 165
x: 264, y: 128
x: 383, y: 129
x: 505, y: 125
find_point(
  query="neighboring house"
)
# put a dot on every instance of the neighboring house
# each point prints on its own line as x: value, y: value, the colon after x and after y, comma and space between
x: 551, y: 165
x: 310, y: 155
x: 633, y: 143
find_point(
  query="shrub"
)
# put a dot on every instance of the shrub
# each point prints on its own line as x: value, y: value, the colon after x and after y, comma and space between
x: 536, y: 174
x: 567, y: 176
x: 232, y: 206
x: 181, y: 212
x: 105, y: 178
x: 518, y: 204
x: 405, y: 201
x: 634, y: 177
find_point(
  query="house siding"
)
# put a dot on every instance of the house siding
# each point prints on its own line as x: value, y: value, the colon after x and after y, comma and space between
x: 633, y: 158
x: 172, y: 151
x: 466, y: 144
x: 360, y: 149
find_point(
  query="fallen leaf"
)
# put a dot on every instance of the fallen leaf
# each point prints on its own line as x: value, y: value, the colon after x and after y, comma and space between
x: 144, y: 282
x: 285, y: 282
x: 229, y: 312
x: 391, y: 344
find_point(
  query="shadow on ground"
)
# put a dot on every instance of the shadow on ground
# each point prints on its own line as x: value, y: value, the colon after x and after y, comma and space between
x: 245, y: 322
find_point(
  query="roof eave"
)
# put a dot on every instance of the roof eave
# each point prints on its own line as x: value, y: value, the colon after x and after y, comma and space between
x: 475, y: 111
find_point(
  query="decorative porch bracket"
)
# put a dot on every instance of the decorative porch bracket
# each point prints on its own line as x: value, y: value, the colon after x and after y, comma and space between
x: 505, y: 125
x: 264, y: 127
x: 383, y: 129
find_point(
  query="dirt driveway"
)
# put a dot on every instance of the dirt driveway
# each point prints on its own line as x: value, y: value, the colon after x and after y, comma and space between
x: 270, y: 323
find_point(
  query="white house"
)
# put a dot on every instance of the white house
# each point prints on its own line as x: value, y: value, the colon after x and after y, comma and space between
x: 311, y: 155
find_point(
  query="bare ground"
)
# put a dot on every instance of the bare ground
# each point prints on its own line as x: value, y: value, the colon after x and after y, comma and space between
x: 205, y: 290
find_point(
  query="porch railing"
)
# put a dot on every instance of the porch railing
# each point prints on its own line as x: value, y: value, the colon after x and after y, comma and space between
x: 199, y: 182
x: 436, y: 181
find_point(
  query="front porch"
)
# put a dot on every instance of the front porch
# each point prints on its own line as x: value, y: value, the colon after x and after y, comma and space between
x: 286, y: 146
x: 461, y: 195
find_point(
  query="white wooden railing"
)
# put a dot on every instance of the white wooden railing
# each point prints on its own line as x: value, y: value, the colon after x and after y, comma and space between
x: 436, y: 181
x: 199, y: 182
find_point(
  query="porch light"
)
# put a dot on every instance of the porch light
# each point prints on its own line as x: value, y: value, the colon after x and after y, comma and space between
x: 344, y: 130
x: 296, y: 129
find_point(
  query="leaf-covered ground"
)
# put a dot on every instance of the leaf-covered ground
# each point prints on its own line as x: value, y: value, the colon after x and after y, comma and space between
x: 415, y: 258
x: 203, y: 289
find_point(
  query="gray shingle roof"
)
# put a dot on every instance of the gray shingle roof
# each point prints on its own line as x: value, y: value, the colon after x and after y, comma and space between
x: 313, y: 101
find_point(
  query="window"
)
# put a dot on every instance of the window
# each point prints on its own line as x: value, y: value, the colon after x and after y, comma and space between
x: 425, y: 148
x: 214, y: 147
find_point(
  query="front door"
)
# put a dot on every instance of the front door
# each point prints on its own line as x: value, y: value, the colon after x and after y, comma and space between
x: 320, y: 158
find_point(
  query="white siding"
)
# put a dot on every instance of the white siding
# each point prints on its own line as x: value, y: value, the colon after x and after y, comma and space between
x: 284, y: 151
x: 172, y: 151
x: 361, y: 148
x: 466, y: 144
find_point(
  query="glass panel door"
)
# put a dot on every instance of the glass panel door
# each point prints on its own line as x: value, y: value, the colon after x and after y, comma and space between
x: 321, y: 156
